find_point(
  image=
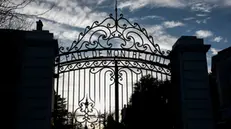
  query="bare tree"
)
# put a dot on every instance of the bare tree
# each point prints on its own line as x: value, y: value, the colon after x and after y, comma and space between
x: 11, y: 19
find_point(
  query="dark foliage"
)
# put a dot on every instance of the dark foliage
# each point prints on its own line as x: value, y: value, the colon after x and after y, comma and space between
x: 149, y: 105
x: 60, y: 114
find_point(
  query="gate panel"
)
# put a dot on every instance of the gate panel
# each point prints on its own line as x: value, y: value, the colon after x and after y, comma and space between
x: 90, y: 92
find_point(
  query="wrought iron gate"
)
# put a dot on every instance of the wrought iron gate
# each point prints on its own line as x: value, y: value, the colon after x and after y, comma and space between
x: 98, y: 71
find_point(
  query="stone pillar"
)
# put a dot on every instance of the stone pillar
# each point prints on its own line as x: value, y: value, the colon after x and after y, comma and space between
x: 221, y: 68
x: 37, y: 74
x: 221, y: 72
x: 191, y: 93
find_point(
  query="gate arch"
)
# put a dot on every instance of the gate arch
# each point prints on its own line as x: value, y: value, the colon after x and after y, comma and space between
x: 97, y: 71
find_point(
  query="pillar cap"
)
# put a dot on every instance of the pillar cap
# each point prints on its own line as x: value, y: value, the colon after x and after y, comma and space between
x: 188, y: 41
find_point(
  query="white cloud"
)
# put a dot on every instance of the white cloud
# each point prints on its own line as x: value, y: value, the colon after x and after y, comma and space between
x: 77, y: 15
x: 217, y: 39
x: 189, y: 18
x: 204, y: 21
x: 155, y: 29
x: 201, y: 15
x: 203, y: 33
x: 152, y: 17
x: 136, y: 4
x: 214, y: 51
x: 66, y: 18
x: 198, y: 21
x: 201, y: 7
x: 227, y: 2
x: 66, y: 12
x: 147, y: 18
x: 161, y: 37
x: 100, y: 1
x: 172, y: 24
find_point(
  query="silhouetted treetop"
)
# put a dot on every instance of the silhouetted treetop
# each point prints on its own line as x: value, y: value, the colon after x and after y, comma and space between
x: 149, y: 105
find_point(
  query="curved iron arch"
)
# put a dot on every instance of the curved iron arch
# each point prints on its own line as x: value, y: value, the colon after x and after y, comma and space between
x: 114, y: 28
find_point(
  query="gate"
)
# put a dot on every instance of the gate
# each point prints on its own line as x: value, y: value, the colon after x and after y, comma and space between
x: 97, y: 72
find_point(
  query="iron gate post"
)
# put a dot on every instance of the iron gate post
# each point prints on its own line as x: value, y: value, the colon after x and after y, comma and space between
x: 116, y: 93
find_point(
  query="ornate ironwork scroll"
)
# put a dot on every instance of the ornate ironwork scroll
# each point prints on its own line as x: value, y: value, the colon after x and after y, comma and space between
x: 86, y: 114
x: 113, y: 33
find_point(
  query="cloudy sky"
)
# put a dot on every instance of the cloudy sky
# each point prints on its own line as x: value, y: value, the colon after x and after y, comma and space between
x: 165, y: 20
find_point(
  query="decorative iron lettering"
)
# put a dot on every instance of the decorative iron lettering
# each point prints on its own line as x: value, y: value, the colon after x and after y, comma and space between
x: 112, y: 53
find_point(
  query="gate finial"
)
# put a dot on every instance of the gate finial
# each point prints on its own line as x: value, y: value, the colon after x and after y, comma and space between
x: 116, y: 11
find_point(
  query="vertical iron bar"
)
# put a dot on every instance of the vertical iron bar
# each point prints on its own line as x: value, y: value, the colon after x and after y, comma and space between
x: 94, y: 88
x: 68, y: 88
x: 116, y: 93
x: 99, y: 86
x: 132, y: 81
x: 84, y: 83
x: 122, y: 95
x: 73, y: 102
x: 79, y: 88
x: 105, y: 92
x: 137, y: 77
x: 116, y: 17
x: 99, y: 123
x: 63, y: 87
x: 127, y: 88
x: 90, y: 85
x: 110, y: 99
